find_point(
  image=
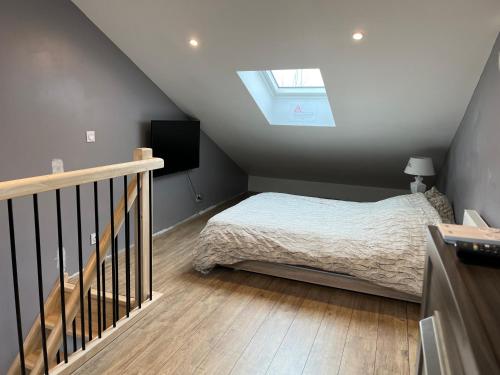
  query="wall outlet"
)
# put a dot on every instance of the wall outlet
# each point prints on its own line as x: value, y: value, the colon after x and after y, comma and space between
x: 90, y: 136
x: 199, y: 197
x: 93, y: 238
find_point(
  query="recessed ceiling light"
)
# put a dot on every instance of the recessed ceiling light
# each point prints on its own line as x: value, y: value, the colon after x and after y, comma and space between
x: 357, y: 35
x: 193, y: 42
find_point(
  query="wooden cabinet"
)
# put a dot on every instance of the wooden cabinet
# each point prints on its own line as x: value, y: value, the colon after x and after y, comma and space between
x: 460, y: 326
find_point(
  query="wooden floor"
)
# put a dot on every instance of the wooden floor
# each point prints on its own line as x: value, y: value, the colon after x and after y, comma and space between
x: 234, y: 322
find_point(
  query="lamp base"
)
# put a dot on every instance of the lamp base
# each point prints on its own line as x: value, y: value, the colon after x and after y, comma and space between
x: 418, y: 186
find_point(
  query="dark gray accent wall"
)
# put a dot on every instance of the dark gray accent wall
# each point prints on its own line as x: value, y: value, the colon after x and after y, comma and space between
x: 471, y: 174
x: 61, y: 76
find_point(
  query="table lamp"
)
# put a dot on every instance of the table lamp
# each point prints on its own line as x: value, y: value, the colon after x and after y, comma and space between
x: 419, y: 166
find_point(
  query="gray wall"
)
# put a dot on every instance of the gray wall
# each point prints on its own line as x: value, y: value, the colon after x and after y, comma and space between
x: 471, y: 174
x: 60, y: 76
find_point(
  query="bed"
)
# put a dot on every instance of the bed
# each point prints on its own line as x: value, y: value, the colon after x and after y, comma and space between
x: 377, y: 247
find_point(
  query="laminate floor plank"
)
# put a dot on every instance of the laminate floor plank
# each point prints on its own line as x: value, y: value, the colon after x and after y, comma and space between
x: 260, y: 351
x: 195, y: 347
x: 358, y: 355
x: 326, y: 354
x: 293, y: 352
x: 412, y: 319
x: 392, y: 341
x: 223, y: 356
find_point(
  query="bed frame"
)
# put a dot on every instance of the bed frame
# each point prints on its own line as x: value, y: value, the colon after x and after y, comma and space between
x: 315, y: 276
x: 336, y: 280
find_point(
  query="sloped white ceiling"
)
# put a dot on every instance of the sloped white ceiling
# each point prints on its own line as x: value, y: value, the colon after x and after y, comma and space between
x: 402, y: 91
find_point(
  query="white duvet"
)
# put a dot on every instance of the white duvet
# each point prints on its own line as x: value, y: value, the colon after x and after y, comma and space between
x: 382, y: 242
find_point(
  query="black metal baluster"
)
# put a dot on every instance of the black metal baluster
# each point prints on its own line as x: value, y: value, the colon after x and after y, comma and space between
x: 73, y: 329
x: 127, y: 247
x: 89, y: 310
x: 150, y: 235
x: 58, y: 357
x: 40, y: 283
x: 112, y: 240
x: 16, y: 286
x: 139, y: 242
x: 98, y: 262
x: 80, y: 264
x: 116, y: 281
x: 103, y: 276
x: 61, y: 274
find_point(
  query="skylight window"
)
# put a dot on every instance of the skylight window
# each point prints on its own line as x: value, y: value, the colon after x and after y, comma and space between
x: 290, y: 96
x: 298, y: 78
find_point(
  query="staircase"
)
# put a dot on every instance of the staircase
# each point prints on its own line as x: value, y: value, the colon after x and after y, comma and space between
x: 88, y: 311
x: 53, y: 315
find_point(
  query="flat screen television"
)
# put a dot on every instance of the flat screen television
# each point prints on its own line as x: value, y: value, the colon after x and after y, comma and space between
x: 176, y: 142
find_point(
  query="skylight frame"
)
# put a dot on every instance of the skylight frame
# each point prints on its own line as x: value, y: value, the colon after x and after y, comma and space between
x: 301, y: 72
x: 268, y: 77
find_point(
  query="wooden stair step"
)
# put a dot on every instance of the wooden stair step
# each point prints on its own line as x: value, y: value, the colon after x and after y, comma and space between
x: 31, y: 359
x: 52, y: 319
x: 122, y: 300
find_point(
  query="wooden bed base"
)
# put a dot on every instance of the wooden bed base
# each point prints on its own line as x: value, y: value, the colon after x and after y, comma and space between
x: 315, y: 276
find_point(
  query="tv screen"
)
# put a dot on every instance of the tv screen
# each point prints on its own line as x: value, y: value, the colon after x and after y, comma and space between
x: 176, y: 142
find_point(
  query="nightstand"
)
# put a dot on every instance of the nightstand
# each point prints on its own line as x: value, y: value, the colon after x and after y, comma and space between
x: 460, y: 326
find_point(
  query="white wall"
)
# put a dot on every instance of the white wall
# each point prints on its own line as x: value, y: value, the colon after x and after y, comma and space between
x: 322, y: 189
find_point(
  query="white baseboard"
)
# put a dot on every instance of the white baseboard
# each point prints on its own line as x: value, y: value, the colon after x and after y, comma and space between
x: 194, y: 216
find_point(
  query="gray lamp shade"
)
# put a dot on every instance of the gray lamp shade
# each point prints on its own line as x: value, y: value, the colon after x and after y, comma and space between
x: 420, y: 166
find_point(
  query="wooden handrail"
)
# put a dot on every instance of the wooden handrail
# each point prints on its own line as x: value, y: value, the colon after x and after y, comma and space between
x: 40, y: 184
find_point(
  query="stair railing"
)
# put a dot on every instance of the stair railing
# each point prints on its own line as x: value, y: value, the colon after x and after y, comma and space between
x: 138, y: 191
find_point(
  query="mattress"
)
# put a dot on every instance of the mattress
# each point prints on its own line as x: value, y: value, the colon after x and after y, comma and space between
x: 381, y: 242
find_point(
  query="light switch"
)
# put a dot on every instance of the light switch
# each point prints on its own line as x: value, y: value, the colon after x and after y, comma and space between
x: 90, y: 136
